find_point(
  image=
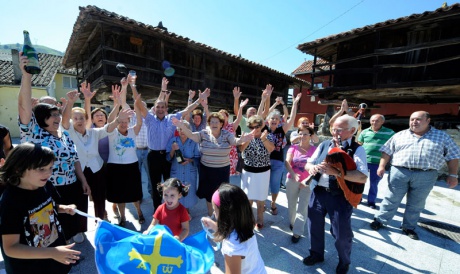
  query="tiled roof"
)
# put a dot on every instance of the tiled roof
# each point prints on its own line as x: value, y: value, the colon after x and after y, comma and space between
x: 307, y: 67
x: 443, y: 11
x: 86, y: 16
x: 50, y: 64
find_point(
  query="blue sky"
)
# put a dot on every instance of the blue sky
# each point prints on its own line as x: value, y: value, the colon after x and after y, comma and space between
x: 266, y: 32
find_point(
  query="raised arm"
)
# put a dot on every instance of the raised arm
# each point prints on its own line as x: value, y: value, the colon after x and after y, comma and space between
x: 291, y: 120
x: 25, y: 92
x: 204, y: 104
x: 194, y: 136
x: 123, y: 93
x: 85, y: 88
x: 240, y: 114
x: 343, y: 110
x: 236, y: 99
x: 72, y: 96
x: 191, y: 95
x: 203, y: 96
x: 138, y: 125
x: 116, y: 103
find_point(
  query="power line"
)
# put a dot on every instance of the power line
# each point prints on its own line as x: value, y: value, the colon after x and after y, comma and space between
x: 320, y: 28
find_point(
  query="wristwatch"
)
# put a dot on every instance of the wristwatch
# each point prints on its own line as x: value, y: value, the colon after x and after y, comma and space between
x: 453, y: 175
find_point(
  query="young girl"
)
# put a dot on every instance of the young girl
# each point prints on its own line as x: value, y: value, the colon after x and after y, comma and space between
x: 172, y: 213
x: 32, y: 240
x: 234, y: 227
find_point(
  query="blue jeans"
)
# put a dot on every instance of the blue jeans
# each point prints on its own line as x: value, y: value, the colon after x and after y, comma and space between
x: 143, y: 164
x: 416, y: 184
x: 374, y: 179
x: 276, y: 173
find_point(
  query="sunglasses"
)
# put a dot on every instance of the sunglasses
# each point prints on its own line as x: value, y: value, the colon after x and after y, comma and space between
x: 254, y: 127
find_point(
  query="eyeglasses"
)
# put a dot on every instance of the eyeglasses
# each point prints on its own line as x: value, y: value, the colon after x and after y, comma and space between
x: 54, y: 115
x: 304, y: 134
x: 339, y: 130
x: 254, y: 127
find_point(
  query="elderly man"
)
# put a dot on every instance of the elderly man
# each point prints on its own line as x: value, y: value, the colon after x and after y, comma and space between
x: 372, y: 139
x: 159, y: 130
x: 418, y: 153
x: 328, y: 198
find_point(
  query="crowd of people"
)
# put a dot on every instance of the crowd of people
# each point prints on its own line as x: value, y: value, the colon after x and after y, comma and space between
x: 193, y: 154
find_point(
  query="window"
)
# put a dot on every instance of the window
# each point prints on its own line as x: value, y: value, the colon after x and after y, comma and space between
x: 69, y: 82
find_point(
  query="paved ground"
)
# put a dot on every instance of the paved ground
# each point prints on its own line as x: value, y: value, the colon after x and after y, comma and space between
x: 385, y: 251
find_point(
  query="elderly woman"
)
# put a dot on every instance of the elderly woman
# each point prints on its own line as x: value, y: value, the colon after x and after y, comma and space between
x: 124, y: 184
x: 296, y: 188
x: 256, y: 170
x: 74, y: 121
x: 187, y: 170
x: 215, y: 145
x: 276, y: 157
x: 42, y: 126
x: 295, y: 137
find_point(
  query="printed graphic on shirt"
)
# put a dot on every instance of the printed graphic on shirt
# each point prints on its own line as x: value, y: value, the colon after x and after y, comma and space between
x: 44, y: 227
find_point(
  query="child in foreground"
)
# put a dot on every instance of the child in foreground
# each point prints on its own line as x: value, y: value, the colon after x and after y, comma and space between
x: 172, y: 213
x: 32, y: 240
x: 235, y: 228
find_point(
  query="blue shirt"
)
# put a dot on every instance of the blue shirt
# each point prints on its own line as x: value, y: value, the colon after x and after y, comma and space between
x: 160, y: 131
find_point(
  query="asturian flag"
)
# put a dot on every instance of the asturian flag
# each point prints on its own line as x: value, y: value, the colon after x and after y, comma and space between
x: 119, y: 250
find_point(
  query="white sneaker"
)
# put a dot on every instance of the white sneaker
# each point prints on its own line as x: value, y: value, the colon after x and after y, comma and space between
x: 79, y: 238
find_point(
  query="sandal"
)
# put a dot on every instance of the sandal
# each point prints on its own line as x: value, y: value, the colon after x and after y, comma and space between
x: 274, y: 210
x: 141, y: 219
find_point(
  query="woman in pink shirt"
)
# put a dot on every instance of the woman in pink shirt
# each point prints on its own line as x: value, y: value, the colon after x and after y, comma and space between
x: 296, y: 187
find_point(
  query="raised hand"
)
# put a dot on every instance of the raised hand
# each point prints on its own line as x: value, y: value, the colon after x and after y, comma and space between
x: 191, y: 94
x: 205, y: 94
x: 125, y: 113
x: 244, y: 103
x: 164, y: 84
x: 23, y: 61
x: 264, y: 134
x: 115, y: 94
x: 279, y: 100
x: 267, y: 92
x: 86, y: 90
x: 72, y: 96
x: 204, y: 102
x: 247, y: 137
x: 236, y: 92
x: 131, y: 79
x: 344, y: 106
x: 297, y: 98
x: 124, y: 82
x: 176, y: 122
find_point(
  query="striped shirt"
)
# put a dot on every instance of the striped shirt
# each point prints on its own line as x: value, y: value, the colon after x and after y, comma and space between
x: 427, y: 152
x: 141, y: 138
x: 215, y: 151
x: 373, y: 141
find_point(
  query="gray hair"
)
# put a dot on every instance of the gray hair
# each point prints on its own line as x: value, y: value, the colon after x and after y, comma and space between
x: 273, y: 113
x: 351, y: 121
x: 381, y: 116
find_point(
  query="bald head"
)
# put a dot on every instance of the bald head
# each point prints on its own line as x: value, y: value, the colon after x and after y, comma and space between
x: 376, y: 122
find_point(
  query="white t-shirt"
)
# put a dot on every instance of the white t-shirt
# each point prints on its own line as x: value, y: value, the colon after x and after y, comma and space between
x: 122, y: 149
x: 252, y: 262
